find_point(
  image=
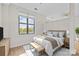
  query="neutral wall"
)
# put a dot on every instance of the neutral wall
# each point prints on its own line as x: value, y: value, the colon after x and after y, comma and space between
x: 59, y: 24
x: 10, y: 24
x: 0, y: 14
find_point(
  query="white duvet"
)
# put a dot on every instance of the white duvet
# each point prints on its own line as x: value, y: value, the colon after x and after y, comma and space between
x: 47, y: 45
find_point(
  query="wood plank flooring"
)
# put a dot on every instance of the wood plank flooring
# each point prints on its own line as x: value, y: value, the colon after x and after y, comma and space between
x: 16, y: 51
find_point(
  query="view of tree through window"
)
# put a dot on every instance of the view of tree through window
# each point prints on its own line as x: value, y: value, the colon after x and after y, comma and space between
x: 26, y: 25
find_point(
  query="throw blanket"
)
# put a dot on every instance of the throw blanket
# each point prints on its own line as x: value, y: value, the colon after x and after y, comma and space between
x: 53, y: 42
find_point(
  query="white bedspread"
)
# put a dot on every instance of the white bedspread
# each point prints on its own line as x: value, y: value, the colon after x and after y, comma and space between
x: 47, y: 45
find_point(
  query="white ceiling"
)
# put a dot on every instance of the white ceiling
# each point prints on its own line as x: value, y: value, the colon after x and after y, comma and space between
x: 47, y: 9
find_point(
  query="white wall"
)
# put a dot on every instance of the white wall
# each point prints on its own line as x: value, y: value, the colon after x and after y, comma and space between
x: 5, y: 19
x: 59, y: 24
x: 0, y: 14
x: 75, y: 19
x: 10, y: 24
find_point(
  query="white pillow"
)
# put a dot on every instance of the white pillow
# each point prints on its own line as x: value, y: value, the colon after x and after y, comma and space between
x: 61, y: 34
x: 49, y: 34
x: 55, y: 34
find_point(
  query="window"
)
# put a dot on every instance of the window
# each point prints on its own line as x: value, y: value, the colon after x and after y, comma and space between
x: 26, y: 25
x: 31, y: 25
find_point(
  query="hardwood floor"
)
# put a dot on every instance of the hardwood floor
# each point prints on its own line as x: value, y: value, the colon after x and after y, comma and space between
x: 16, y: 51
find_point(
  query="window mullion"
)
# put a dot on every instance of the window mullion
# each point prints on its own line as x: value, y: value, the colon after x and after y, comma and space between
x: 27, y: 25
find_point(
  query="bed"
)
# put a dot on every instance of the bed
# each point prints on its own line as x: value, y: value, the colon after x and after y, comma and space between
x: 53, y: 40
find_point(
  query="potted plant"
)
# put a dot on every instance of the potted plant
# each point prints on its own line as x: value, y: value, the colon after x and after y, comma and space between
x: 77, y: 31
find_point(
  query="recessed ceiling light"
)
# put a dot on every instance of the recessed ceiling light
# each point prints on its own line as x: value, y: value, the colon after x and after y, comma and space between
x: 36, y: 9
x: 41, y: 3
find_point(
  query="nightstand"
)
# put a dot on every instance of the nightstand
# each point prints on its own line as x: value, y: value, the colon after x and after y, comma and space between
x: 77, y: 46
x: 4, y: 47
x: 66, y: 43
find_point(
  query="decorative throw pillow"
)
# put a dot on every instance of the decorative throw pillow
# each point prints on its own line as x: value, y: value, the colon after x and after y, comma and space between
x: 55, y: 34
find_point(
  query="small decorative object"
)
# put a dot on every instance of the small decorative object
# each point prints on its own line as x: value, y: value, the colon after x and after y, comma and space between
x: 68, y: 34
x: 77, y: 31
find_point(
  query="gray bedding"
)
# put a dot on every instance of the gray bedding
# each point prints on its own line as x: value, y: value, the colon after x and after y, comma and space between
x: 53, y: 42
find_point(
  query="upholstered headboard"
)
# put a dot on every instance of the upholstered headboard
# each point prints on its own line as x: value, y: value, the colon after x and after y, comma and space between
x: 57, y: 33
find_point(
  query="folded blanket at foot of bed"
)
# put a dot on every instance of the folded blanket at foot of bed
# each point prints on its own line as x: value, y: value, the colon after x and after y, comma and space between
x: 53, y: 42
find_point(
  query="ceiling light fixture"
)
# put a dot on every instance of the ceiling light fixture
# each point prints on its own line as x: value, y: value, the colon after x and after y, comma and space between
x: 41, y: 3
x: 35, y: 8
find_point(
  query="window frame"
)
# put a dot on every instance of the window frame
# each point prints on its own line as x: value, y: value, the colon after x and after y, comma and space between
x: 27, y: 25
x: 31, y: 24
